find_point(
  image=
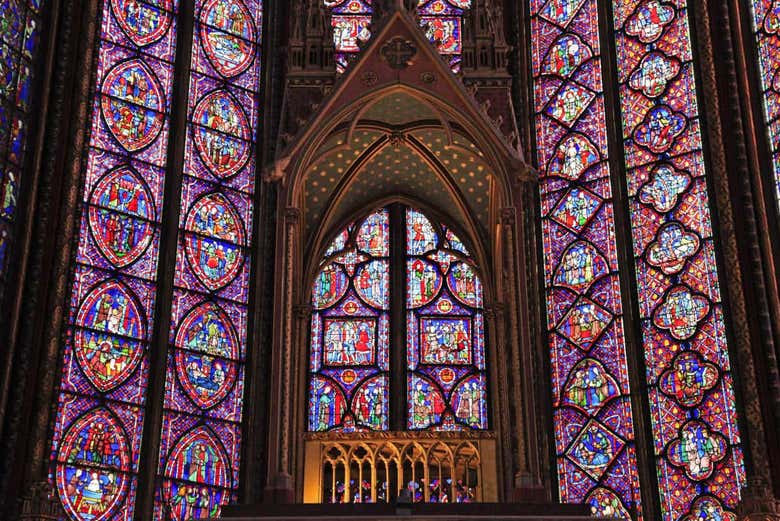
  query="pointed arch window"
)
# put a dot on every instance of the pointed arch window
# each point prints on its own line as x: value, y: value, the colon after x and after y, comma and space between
x: 143, y: 173
x: 397, y: 262
x: 660, y: 166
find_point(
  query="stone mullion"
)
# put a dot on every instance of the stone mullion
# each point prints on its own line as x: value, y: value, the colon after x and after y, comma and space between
x: 166, y: 266
x: 628, y: 284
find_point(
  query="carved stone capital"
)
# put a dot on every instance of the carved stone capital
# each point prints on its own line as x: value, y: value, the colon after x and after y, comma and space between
x: 277, y: 171
x: 292, y: 215
x: 508, y: 216
x: 40, y: 503
x: 758, y: 503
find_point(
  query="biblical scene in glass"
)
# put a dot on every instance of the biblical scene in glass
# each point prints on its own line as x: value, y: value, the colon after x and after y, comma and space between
x: 691, y: 395
x: 350, y: 330
x: 442, y: 21
x: 351, y: 22
x: 200, y: 444
x: 446, y: 382
x: 19, y: 35
x: 102, y: 390
x: 593, y: 417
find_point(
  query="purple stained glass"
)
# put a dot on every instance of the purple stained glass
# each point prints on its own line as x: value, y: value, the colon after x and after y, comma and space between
x: 203, y: 406
x: 442, y: 21
x: 348, y: 386
x: 766, y: 24
x: 446, y: 384
x: 593, y: 418
x: 19, y: 32
x: 693, y: 414
x: 351, y: 23
x: 100, y: 415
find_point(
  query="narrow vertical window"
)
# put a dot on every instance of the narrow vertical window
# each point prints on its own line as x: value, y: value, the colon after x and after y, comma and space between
x: 446, y: 383
x: 766, y: 23
x: 102, y: 390
x: 594, y: 422
x: 200, y: 445
x: 19, y: 33
x: 696, y: 439
x: 351, y: 21
x: 350, y: 330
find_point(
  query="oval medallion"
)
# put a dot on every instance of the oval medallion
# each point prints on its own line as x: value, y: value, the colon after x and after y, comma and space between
x: 144, y: 24
x: 227, y: 34
x: 329, y: 286
x: 199, y: 457
x: 222, y: 134
x: 465, y: 284
x: 132, y: 104
x: 372, y: 282
x: 205, y: 379
x: 121, y: 215
x: 207, y: 330
x: 91, y: 465
x: 107, y: 349
x: 213, y: 247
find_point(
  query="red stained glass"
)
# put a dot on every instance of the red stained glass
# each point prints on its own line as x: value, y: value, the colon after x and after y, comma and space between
x: 691, y: 396
x: 100, y: 416
x: 350, y: 330
x: 198, y: 469
x: 591, y: 391
x: 446, y: 383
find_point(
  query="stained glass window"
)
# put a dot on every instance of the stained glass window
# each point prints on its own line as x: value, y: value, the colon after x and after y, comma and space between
x: 19, y: 33
x: 351, y: 22
x: 350, y: 352
x: 696, y: 440
x: 766, y: 23
x: 594, y: 433
x: 442, y: 21
x: 101, y: 408
x: 690, y: 391
x: 352, y: 332
x: 446, y: 382
x: 200, y: 446
x: 103, y: 391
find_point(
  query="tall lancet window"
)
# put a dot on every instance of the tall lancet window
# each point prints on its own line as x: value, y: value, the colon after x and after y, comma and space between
x: 351, y: 21
x: 766, y: 23
x: 20, y: 22
x: 442, y: 21
x: 118, y: 305
x: 354, y: 338
x: 680, y: 353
